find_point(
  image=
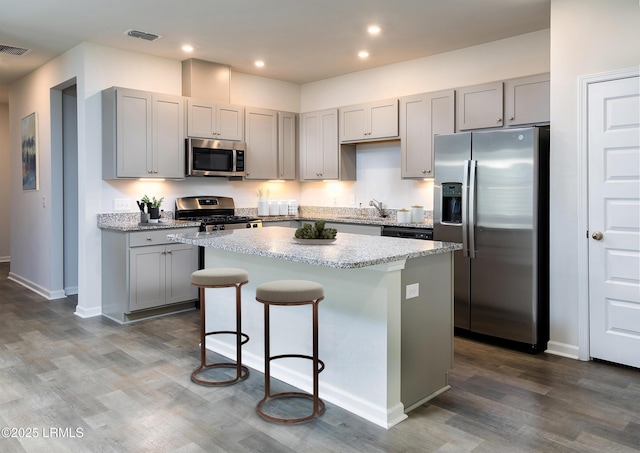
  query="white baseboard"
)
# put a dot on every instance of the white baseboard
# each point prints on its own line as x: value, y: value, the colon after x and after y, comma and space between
x: 563, y: 349
x: 44, y: 292
x: 5, y: 259
x: 376, y: 414
x: 87, y: 313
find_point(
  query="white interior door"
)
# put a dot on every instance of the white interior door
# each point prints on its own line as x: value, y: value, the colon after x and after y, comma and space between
x: 614, y: 220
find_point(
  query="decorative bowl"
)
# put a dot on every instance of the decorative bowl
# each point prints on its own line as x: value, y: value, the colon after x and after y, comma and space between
x: 314, y: 241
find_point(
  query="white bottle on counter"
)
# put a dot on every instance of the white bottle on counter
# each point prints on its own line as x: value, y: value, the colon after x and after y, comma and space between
x: 263, y: 207
x: 293, y: 207
x: 417, y: 214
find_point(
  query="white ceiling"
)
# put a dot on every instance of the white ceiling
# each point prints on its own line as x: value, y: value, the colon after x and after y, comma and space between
x: 300, y: 40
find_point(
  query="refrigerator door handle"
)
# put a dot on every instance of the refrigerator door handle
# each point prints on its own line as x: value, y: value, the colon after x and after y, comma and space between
x: 465, y: 208
x: 472, y: 208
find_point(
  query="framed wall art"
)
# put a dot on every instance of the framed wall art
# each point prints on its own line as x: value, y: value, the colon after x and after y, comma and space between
x: 30, y: 152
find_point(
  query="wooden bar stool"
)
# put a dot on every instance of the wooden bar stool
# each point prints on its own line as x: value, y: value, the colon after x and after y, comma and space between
x: 290, y: 293
x: 220, y: 278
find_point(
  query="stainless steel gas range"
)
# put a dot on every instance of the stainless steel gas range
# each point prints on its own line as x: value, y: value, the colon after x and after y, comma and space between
x: 213, y: 213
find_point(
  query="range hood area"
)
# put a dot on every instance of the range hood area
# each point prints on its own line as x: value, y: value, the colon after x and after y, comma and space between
x: 206, y: 80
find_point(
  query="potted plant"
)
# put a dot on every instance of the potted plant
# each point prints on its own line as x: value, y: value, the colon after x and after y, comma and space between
x: 153, y: 207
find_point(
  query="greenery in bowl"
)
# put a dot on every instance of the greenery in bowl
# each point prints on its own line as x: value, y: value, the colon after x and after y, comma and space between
x: 316, y: 231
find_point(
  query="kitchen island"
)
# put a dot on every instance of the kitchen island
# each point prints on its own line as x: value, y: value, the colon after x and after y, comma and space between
x: 386, y: 323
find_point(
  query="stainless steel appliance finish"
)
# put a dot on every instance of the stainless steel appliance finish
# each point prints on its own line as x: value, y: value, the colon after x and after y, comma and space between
x: 215, y: 158
x: 213, y: 213
x: 491, y: 194
x: 408, y: 232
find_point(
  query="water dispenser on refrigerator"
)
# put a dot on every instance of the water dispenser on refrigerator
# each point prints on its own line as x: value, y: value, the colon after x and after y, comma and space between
x: 452, y: 203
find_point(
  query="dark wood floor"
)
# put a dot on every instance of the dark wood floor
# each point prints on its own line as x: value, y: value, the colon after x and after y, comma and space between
x: 90, y: 385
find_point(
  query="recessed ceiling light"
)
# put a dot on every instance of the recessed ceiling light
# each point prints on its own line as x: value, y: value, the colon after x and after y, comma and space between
x: 259, y: 63
x: 363, y: 54
x: 187, y: 48
x: 373, y: 29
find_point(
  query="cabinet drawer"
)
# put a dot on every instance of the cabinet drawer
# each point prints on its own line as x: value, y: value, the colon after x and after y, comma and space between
x: 155, y: 237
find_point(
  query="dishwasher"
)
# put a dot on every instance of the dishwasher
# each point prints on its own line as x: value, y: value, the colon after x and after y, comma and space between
x: 408, y: 232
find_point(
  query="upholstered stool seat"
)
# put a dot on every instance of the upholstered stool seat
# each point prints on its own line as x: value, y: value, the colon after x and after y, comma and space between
x: 290, y: 293
x: 220, y: 278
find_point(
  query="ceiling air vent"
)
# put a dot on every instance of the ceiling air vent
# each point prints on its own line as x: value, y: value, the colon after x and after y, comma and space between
x: 10, y: 50
x: 142, y: 35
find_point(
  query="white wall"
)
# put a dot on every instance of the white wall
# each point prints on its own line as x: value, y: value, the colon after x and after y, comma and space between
x: 32, y: 217
x: 5, y: 184
x: 587, y: 37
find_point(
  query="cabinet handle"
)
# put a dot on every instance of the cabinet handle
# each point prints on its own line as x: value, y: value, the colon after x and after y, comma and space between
x: 150, y: 171
x: 169, y: 252
x: 499, y: 120
x: 148, y: 238
x: 511, y: 118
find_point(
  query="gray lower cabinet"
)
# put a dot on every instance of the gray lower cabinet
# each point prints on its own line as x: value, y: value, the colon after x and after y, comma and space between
x: 355, y: 228
x: 144, y: 274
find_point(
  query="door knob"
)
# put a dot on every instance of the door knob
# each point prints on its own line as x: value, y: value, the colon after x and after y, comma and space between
x: 597, y: 235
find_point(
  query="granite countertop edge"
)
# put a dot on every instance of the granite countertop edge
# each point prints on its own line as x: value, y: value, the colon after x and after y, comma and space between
x: 287, y: 250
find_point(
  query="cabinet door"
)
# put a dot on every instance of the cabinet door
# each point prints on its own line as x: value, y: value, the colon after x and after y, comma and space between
x: 480, y: 106
x: 146, y: 277
x: 527, y: 100
x: 287, y: 145
x: 421, y: 118
x: 168, y: 136
x: 262, y: 144
x: 383, y: 120
x: 181, y: 262
x: 201, y: 119
x: 354, y: 124
x: 319, y: 158
x: 230, y: 122
x: 133, y: 134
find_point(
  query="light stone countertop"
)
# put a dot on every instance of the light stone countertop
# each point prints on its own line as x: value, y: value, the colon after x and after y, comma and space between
x: 347, y: 252
x: 127, y: 225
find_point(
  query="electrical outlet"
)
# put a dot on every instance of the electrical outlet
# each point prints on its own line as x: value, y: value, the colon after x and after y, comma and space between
x: 353, y: 200
x: 412, y: 291
x: 121, y: 204
x: 335, y: 201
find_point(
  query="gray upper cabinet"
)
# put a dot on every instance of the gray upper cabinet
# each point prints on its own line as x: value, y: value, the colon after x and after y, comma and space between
x: 261, y: 136
x: 527, y: 100
x: 271, y: 138
x: 142, y: 134
x: 319, y: 145
x: 287, y: 145
x: 215, y: 120
x: 480, y: 106
x: 423, y: 116
x: 371, y: 121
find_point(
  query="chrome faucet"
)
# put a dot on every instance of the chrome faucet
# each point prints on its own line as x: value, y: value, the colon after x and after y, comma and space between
x: 378, y: 205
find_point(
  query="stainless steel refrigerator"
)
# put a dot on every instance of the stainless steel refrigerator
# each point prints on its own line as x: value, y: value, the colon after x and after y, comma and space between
x: 491, y: 193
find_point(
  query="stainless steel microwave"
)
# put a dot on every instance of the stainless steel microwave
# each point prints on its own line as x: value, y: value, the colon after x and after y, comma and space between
x: 215, y: 158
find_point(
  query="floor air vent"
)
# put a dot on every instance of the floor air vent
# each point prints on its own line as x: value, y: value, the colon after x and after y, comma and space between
x: 142, y: 35
x: 10, y: 50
